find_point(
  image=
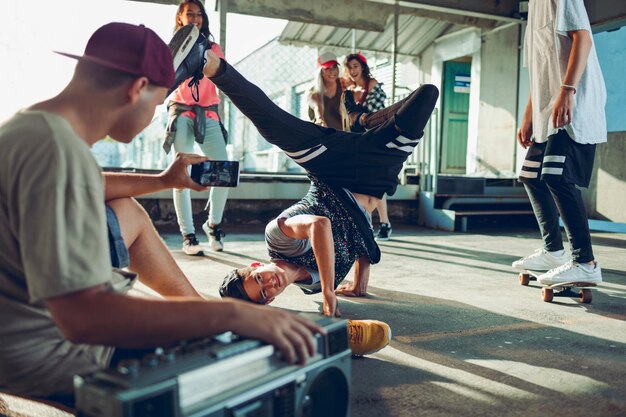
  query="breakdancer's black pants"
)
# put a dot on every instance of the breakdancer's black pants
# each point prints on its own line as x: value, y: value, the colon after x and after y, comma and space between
x: 366, y: 163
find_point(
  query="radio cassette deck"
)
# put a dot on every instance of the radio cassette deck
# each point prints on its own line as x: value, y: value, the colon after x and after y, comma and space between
x: 224, y: 377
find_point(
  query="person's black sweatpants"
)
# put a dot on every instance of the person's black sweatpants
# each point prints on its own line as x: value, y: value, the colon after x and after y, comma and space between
x: 548, y: 200
x: 550, y: 174
x: 366, y: 163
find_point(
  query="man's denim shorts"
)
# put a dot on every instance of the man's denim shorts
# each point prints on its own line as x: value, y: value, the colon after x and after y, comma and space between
x: 117, y: 247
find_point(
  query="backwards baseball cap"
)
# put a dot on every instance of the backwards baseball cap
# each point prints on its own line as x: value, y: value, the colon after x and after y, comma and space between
x: 327, y: 60
x: 133, y: 49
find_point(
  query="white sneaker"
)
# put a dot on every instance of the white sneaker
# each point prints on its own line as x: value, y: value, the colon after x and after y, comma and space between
x: 542, y: 260
x: 215, y: 236
x: 572, y: 271
x: 191, y: 246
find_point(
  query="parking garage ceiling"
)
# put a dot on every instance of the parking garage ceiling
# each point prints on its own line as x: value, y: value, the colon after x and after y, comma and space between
x: 373, y: 15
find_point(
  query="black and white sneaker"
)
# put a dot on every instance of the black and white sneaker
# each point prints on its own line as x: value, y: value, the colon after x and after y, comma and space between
x: 412, y: 116
x: 215, y: 236
x: 191, y: 246
x: 384, y: 232
x: 188, y: 46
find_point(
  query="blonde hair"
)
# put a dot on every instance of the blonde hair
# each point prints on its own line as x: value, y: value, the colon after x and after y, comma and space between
x: 319, y: 88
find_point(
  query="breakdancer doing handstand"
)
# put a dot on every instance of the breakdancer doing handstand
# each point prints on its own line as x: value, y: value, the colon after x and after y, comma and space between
x: 315, y: 242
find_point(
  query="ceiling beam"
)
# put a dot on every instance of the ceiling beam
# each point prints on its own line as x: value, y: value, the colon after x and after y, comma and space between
x: 499, y: 10
x: 450, y: 17
x: 606, y: 15
x: 356, y: 14
x: 372, y: 14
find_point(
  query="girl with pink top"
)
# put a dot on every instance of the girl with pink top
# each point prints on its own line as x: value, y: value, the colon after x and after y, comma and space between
x: 193, y: 118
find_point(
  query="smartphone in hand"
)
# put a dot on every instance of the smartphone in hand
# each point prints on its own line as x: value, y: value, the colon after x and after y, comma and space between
x: 216, y: 173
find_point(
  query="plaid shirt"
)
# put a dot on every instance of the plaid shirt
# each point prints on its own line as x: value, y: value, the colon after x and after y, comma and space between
x: 375, y: 100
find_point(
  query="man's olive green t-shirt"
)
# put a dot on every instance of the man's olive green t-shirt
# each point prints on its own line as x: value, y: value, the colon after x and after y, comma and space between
x: 53, y: 241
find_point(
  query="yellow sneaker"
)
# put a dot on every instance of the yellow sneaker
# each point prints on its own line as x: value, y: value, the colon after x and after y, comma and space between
x: 368, y: 336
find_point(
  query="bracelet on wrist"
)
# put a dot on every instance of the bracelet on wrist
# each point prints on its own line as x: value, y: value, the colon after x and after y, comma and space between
x: 568, y: 87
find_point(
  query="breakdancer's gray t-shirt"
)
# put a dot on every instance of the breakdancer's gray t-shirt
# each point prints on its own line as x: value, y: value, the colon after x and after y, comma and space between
x: 277, y: 241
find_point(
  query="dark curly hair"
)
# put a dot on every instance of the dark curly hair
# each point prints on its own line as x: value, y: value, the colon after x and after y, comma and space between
x: 367, y: 74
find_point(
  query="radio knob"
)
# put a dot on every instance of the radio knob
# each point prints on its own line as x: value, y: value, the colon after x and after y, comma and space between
x: 151, y: 359
x: 168, y: 355
x: 128, y: 367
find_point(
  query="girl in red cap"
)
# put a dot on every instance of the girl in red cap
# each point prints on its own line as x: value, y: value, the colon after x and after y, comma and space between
x: 325, y: 95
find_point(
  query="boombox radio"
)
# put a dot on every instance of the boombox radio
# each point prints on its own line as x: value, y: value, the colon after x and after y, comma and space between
x: 226, y: 376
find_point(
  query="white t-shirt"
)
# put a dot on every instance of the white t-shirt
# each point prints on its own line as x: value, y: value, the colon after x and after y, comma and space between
x: 546, y: 52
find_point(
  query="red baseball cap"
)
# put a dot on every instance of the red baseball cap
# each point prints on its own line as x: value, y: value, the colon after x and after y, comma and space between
x: 327, y: 60
x: 133, y: 49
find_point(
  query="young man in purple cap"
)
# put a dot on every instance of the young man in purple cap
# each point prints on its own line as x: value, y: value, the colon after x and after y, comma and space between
x: 61, y: 303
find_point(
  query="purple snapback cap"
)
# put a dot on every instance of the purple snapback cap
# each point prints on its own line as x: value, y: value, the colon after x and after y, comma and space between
x: 133, y: 49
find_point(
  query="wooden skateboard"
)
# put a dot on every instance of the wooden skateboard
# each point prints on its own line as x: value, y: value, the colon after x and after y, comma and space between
x: 566, y: 289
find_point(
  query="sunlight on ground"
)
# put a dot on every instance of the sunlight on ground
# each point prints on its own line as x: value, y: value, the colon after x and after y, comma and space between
x: 486, y: 390
x: 552, y: 379
x: 461, y: 382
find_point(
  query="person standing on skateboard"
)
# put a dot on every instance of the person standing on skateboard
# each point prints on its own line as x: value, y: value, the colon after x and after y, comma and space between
x: 563, y: 122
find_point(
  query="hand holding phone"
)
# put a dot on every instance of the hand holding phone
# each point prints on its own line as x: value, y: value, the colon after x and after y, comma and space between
x: 216, y: 173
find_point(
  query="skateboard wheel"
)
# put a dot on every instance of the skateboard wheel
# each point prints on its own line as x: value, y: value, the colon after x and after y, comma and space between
x: 547, y: 294
x: 524, y: 279
x: 585, y: 296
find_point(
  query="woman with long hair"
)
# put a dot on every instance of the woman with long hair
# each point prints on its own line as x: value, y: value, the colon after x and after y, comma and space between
x: 325, y: 95
x: 193, y: 118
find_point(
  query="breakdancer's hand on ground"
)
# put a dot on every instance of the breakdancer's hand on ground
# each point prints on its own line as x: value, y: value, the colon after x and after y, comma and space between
x: 350, y: 290
x: 331, y: 305
x: 357, y: 288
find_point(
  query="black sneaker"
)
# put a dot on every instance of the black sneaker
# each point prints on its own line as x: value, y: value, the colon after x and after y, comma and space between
x: 410, y: 120
x: 191, y: 246
x: 188, y: 46
x: 384, y: 232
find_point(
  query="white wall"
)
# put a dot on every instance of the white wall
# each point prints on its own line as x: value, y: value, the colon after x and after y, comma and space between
x: 496, y: 130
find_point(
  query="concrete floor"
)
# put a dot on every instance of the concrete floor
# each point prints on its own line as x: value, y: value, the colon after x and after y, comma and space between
x: 467, y: 338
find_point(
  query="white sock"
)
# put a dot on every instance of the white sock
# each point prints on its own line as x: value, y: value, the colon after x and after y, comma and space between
x: 558, y: 253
